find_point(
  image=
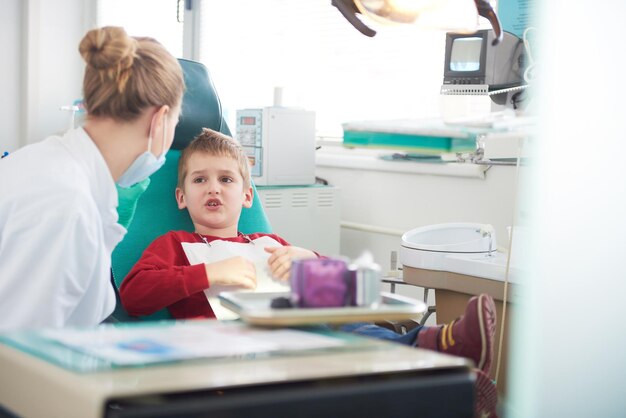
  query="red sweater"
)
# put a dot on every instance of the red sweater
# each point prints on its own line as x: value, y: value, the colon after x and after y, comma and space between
x: 162, y: 278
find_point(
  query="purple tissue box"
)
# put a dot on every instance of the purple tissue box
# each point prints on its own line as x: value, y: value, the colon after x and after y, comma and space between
x: 320, y: 283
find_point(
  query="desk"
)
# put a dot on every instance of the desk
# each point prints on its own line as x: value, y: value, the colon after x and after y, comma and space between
x: 386, y: 379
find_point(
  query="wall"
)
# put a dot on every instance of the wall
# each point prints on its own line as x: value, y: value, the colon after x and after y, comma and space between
x: 10, y: 23
x: 43, y: 69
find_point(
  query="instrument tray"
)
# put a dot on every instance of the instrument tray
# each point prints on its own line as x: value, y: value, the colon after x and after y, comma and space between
x: 255, y: 308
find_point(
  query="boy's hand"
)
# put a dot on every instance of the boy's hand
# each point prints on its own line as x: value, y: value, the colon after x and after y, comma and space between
x: 280, y: 260
x: 235, y: 271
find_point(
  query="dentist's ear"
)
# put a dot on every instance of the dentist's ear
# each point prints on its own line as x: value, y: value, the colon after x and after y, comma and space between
x: 158, y: 116
x: 158, y: 128
x: 162, y: 113
x: 180, y: 198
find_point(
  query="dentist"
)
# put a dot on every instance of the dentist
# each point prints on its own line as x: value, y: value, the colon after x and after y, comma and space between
x: 58, y: 219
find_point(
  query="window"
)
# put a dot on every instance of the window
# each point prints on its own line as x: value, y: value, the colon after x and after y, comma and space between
x: 323, y: 63
x: 154, y: 18
x: 304, y: 46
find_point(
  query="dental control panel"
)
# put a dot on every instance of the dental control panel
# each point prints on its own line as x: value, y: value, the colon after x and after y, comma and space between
x: 280, y: 144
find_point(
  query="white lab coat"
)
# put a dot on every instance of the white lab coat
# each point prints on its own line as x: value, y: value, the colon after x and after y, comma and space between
x: 58, y: 228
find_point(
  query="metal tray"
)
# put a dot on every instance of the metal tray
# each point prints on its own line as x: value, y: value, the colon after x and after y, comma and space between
x: 254, y: 308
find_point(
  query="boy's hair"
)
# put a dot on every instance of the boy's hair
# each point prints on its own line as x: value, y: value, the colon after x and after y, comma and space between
x: 217, y: 144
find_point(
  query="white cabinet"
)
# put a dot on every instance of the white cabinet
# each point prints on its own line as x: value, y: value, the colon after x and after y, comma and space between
x: 307, y: 216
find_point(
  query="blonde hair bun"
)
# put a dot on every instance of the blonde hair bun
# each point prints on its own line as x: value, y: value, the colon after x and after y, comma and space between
x: 111, y: 51
x: 125, y: 75
x: 108, y: 47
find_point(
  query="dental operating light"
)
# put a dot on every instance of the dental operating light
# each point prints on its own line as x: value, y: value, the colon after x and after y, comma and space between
x: 450, y: 15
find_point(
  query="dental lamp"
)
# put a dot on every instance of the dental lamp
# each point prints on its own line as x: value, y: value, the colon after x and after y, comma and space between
x: 418, y: 12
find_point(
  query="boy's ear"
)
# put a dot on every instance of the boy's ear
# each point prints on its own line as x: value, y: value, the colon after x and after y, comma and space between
x: 248, y: 197
x: 180, y: 198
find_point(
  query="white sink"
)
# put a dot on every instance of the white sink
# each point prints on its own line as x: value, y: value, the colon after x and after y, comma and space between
x: 452, y: 238
x: 464, y: 248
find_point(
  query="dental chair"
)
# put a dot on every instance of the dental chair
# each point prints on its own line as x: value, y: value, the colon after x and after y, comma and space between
x: 156, y: 211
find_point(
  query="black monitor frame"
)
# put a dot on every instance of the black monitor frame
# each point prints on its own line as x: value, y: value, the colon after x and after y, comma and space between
x: 501, y: 65
x: 465, y: 77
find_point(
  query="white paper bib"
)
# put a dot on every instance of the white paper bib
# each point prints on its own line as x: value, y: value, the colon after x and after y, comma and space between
x: 200, y: 253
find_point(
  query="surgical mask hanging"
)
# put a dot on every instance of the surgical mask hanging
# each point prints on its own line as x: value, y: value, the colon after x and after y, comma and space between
x: 144, y: 165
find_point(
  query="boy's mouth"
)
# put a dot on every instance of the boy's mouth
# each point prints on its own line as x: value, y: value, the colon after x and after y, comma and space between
x: 213, y: 203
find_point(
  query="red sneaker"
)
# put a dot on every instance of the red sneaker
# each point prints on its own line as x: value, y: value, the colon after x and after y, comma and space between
x: 470, y: 336
x: 486, y: 396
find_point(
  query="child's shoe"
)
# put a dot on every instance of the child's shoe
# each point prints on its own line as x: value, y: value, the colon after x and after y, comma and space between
x: 470, y: 336
x: 486, y: 396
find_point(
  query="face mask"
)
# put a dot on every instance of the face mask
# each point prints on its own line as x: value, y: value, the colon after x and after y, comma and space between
x: 144, y: 165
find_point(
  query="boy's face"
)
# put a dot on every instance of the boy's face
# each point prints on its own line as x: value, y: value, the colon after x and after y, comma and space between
x: 214, y: 194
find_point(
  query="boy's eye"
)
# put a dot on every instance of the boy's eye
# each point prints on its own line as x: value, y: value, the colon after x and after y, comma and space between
x: 198, y: 180
x: 227, y: 179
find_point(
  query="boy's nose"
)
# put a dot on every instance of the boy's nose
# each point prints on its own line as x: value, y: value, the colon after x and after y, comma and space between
x: 213, y: 187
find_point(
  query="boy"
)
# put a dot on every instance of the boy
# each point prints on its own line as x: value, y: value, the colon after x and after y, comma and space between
x: 213, y: 185
x: 181, y: 271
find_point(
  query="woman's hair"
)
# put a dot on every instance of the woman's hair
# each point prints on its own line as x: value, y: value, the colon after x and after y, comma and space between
x: 217, y: 144
x: 126, y: 75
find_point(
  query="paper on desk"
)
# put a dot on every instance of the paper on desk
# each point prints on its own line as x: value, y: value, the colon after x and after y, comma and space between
x: 149, y: 344
x: 198, y: 253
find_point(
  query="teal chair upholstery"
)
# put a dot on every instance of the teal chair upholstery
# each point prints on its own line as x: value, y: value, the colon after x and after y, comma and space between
x: 155, y: 212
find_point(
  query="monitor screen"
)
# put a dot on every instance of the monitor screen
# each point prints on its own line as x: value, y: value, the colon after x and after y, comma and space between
x: 465, y: 54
